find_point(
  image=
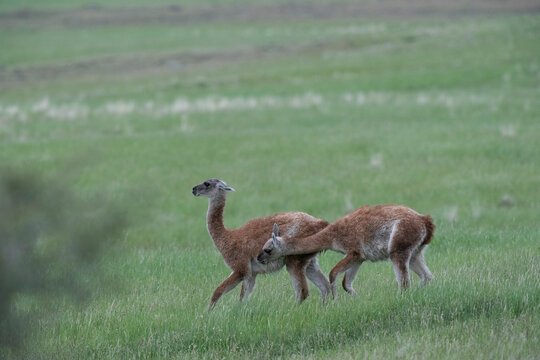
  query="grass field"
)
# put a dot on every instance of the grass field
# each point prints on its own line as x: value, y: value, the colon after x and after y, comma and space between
x: 307, y: 106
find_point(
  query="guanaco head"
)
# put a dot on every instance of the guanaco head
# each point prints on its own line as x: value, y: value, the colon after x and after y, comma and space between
x: 211, y: 188
x: 273, y: 248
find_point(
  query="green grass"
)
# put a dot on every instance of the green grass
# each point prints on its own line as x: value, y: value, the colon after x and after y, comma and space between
x: 440, y: 115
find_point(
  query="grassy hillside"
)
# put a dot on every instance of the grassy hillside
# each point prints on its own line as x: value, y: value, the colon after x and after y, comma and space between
x: 436, y: 107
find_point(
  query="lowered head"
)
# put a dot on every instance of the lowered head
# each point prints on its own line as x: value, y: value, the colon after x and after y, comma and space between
x: 273, y: 248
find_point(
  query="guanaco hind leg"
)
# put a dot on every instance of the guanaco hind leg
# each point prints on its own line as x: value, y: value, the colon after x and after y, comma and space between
x: 343, y: 265
x: 316, y: 276
x: 418, y: 265
x: 247, y: 287
x: 349, y: 277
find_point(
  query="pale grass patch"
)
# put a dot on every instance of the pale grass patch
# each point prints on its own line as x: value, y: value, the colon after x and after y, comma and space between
x: 348, y: 203
x: 44, y: 107
x: 119, y: 107
x: 376, y: 161
x: 508, y: 130
x: 359, y: 29
x: 403, y: 350
x: 468, y: 28
x: 67, y: 111
x: 179, y: 105
x: 476, y: 210
x: 222, y: 103
x: 217, y: 103
x: 307, y: 100
x: 11, y: 112
x: 149, y: 106
x: 343, y: 76
x: 430, y: 31
x: 451, y: 213
x: 185, y: 127
x: 420, y: 99
x: 41, y: 105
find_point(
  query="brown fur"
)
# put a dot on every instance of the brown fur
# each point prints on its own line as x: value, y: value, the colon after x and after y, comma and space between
x: 240, y: 246
x: 430, y: 227
x: 370, y: 233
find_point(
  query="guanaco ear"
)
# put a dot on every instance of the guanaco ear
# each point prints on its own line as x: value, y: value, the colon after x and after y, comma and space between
x: 275, y: 235
x: 224, y: 187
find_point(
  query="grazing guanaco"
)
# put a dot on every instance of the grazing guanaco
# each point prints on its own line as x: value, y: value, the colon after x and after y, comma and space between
x: 371, y: 233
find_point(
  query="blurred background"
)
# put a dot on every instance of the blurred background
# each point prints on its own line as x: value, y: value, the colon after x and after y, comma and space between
x: 111, y: 111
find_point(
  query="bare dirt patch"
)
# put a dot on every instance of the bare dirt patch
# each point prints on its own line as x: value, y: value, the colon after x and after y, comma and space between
x: 90, y: 16
x: 117, y: 65
x: 144, y: 64
x: 132, y: 65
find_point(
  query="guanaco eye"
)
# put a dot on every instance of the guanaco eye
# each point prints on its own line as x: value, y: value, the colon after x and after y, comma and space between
x: 268, y: 251
x: 206, y: 183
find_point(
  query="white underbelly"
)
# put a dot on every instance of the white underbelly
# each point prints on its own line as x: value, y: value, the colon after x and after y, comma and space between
x: 375, y: 252
x: 378, y: 248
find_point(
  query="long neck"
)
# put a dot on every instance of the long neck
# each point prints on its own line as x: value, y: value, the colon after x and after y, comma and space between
x: 214, y: 220
x: 314, y: 243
